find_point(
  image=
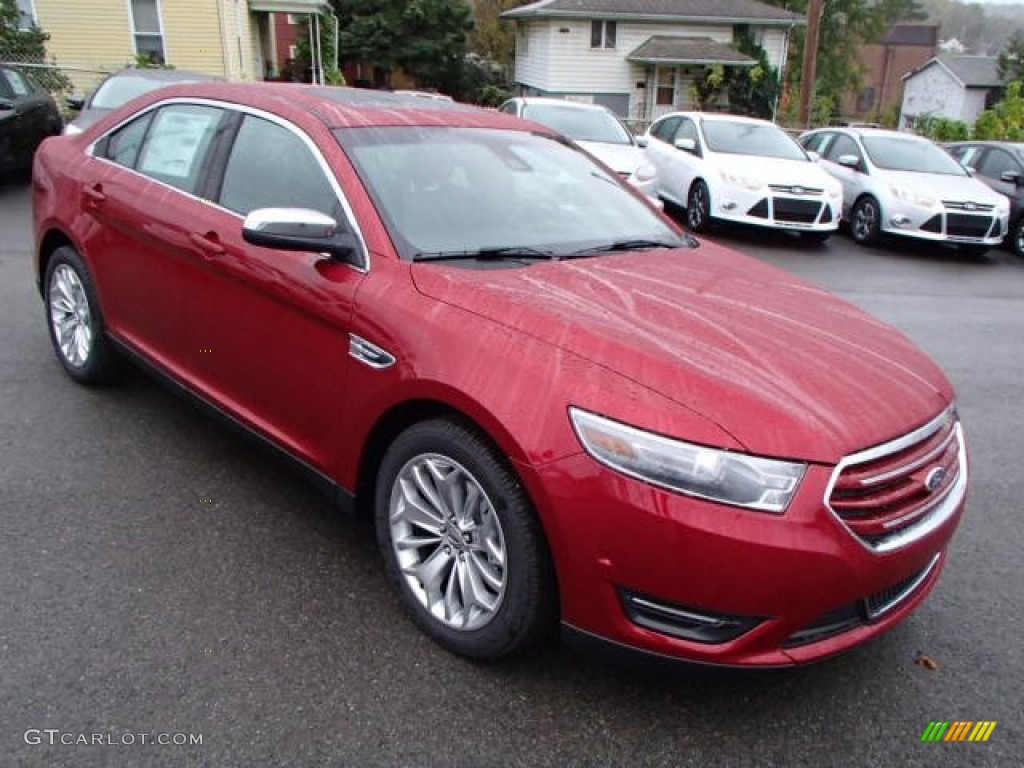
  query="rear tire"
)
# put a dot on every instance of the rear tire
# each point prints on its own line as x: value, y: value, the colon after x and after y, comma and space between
x: 77, y: 329
x: 461, y: 542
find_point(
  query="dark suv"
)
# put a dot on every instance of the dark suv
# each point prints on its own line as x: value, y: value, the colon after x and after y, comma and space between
x: 1000, y: 164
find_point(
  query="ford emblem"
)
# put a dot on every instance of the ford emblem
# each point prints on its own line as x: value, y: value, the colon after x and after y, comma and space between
x: 969, y: 206
x: 798, y: 190
x: 934, y: 479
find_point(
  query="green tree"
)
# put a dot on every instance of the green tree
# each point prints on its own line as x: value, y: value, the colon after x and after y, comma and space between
x: 1011, y: 59
x: 846, y: 26
x: 27, y: 46
x: 493, y: 38
x: 426, y: 38
x: 1005, y: 120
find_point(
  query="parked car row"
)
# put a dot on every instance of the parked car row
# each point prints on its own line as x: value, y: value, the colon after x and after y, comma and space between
x: 883, y: 184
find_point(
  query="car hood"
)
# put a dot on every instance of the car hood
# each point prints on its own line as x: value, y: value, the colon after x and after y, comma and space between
x: 946, y: 187
x: 785, y: 368
x: 776, y: 170
x: 621, y: 158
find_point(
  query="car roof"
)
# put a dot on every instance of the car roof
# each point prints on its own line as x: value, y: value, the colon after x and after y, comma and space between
x: 581, y: 105
x: 339, y: 107
x: 719, y: 117
x: 166, y: 75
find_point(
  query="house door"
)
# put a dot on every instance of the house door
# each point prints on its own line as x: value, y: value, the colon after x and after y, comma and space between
x: 665, y: 83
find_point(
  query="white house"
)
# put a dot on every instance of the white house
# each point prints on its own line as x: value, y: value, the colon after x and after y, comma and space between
x: 955, y: 87
x: 639, y: 58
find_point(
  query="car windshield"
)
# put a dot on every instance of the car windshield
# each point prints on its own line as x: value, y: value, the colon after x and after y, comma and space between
x: 896, y: 153
x: 579, y: 124
x: 743, y: 138
x: 121, y: 89
x: 446, y: 191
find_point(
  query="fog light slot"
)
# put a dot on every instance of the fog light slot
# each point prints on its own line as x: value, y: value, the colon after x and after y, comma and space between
x: 694, y: 624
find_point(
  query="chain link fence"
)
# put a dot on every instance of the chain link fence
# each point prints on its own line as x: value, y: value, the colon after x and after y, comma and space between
x: 61, y: 80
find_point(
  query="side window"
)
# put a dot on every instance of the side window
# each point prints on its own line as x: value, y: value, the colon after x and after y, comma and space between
x: 271, y: 167
x: 818, y: 142
x: 666, y: 129
x: 687, y: 130
x: 177, y: 144
x: 843, y: 145
x: 995, y: 162
x: 16, y: 83
x: 509, y: 107
x: 122, y: 146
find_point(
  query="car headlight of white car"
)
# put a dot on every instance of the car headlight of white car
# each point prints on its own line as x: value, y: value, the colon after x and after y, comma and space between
x: 913, y: 196
x: 739, y: 479
x: 748, y: 183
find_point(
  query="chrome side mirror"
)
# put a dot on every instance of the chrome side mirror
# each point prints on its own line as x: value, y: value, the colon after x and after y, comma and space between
x: 297, y: 229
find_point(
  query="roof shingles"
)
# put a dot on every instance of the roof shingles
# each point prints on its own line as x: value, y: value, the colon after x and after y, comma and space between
x: 744, y: 10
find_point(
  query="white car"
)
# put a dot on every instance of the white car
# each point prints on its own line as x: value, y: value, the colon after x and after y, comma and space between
x: 899, y: 184
x: 597, y: 130
x: 742, y: 170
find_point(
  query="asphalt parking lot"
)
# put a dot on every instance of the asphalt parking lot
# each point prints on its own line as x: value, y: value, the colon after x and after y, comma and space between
x: 159, y: 575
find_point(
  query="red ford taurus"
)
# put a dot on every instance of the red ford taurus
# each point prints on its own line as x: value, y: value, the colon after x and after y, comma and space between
x: 552, y: 404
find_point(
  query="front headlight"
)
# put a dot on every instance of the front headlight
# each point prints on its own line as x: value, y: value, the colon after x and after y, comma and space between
x: 739, y: 479
x: 748, y: 183
x: 914, y: 197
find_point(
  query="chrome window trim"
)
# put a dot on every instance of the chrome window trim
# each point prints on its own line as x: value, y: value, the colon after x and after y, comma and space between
x: 364, y: 254
x: 933, y: 518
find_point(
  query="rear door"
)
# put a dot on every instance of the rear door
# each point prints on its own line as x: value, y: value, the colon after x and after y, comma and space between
x: 271, y: 327
x: 142, y: 188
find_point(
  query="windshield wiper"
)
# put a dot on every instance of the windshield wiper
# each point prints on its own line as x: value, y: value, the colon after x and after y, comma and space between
x: 485, y: 254
x: 626, y: 245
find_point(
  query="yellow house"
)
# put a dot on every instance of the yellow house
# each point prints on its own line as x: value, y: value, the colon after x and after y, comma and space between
x: 230, y: 38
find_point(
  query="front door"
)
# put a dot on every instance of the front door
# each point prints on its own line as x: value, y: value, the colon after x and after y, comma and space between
x: 665, y: 85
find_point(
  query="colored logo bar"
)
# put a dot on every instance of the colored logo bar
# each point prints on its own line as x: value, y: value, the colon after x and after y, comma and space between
x: 958, y: 730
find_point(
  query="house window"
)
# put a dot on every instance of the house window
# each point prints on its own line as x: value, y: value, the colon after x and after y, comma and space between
x: 866, y: 100
x: 296, y: 18
x: 148, y: 32
x: 602, y: 34
x: 666, y: 94
x: 293, y: 52
x: 26, y: 14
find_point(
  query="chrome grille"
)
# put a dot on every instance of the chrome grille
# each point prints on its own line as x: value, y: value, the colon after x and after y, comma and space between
x: 966, y: 205
x: 795, y: 189
x: 895, y: 493
x: 789, y: 209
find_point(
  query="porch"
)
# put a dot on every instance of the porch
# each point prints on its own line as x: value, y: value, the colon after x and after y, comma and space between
x: 666, y: 71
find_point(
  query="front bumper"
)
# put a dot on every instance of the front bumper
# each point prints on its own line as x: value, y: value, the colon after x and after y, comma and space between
x: 975, y: 226
x: 777, y: 207
x: 801, y: 585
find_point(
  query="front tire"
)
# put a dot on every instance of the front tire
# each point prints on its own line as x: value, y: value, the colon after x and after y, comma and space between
x: 77, y: 329
x: 698, y: 207
x: 461, y: 542
x: 866, y: 221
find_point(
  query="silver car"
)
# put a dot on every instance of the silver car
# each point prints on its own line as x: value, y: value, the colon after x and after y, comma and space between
x: 899, y: 184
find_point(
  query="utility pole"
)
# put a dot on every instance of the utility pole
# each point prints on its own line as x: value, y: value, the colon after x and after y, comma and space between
x: 815, y: 8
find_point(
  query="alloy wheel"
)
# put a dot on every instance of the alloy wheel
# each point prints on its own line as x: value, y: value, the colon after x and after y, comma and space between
x: 448, y: 541
x: 70, y: 316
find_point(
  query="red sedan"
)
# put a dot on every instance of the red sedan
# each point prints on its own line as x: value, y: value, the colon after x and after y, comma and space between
x: 552, y: 404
